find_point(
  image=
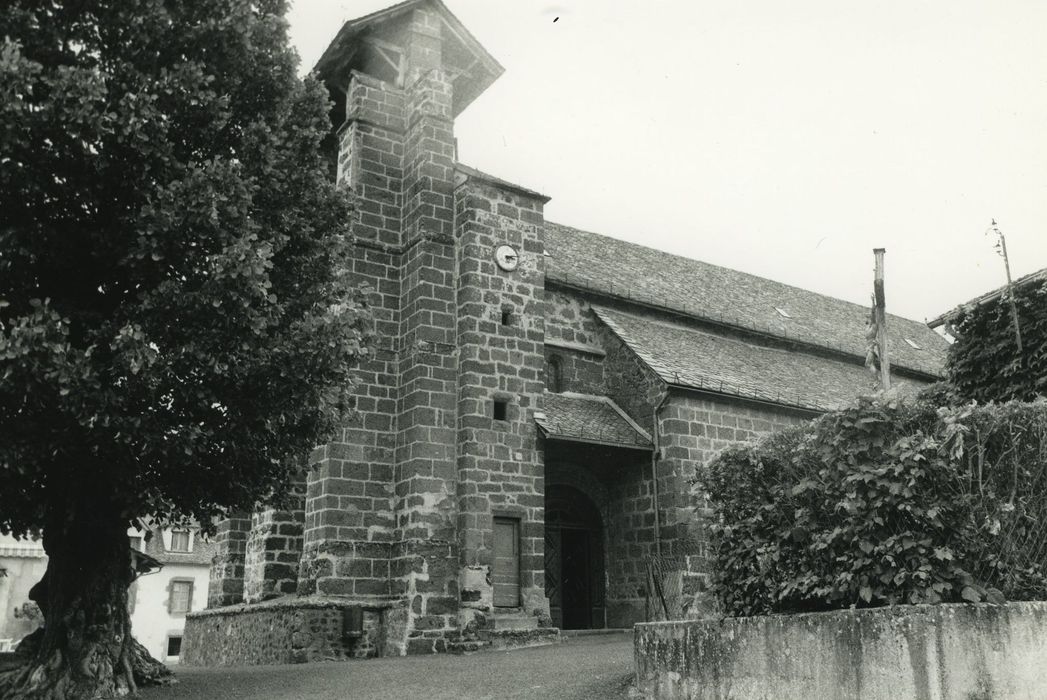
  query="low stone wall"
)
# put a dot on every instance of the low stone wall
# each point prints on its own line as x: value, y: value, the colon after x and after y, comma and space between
x: 944, y: 652
x: 284, y: 631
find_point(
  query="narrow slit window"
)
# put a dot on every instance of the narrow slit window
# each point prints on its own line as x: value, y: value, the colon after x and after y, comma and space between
x: 507, y: 317
x: 501, y: 409
x: 555, y: 378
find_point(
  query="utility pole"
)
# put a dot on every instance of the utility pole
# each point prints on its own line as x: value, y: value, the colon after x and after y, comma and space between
x: 880, y: 321
x: 1001, y: 248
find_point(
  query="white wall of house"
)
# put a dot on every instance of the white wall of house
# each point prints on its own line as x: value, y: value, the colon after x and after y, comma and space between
x: 23, y: 563
x: 152, y: 621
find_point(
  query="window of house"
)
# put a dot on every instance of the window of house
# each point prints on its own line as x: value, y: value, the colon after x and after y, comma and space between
x: 554, y: 381
x: 180, y: 541
x: 181, y: 597
x: 501, y: 409
x: 135, y: 542
x: 174, y: 646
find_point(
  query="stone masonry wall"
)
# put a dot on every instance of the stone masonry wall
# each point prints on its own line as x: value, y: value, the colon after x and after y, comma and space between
x: 288, y: 631
x: 349, y: 513
x: 693, y: 429
x: 274, y: 549
x: 500, y: 472
x: 568, y: 318
x: 580, y: 371
x: 226, y: 585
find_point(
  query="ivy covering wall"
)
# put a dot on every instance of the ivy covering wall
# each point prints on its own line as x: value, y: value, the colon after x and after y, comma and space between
x: 885, y: 502
x: 984, y: 363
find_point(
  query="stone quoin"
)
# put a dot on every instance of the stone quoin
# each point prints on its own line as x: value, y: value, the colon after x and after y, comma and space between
x: 540, y: 397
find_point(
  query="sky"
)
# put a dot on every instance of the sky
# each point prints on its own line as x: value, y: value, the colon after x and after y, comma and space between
x: 782, y: 139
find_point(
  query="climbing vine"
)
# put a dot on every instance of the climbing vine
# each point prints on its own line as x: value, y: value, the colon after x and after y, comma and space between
x: 985, y: 364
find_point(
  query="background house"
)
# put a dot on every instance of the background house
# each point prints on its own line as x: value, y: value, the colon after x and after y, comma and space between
x: 158, y: 601
x: 22, y: 563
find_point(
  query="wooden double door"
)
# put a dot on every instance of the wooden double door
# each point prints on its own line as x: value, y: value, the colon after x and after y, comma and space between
x: 574, y: 560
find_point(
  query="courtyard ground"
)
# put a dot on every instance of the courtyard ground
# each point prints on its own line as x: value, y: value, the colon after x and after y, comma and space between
x: 589, y: 667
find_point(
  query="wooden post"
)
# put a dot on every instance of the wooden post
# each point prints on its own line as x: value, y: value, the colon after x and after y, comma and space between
x: 1010, y: 286
x: 880, y: 315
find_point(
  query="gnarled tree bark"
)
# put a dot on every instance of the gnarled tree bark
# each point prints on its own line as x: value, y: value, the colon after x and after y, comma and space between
x: 85, y: 649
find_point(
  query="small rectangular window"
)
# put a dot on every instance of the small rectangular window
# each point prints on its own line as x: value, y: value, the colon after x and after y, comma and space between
x: 180, y: 541
x: 501, y: 409
x: 174, y: 646
x: 135, y: 542
x: 507, y: 317
x: 181, y: 597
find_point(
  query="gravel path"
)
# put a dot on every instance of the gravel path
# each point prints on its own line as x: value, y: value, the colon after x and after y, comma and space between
x: 596, y: 667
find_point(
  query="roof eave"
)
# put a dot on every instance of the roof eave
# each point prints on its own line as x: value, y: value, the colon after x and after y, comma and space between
x: 593, y: 441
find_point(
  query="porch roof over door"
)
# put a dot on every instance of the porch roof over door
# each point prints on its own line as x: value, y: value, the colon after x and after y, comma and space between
x: 590, y: 419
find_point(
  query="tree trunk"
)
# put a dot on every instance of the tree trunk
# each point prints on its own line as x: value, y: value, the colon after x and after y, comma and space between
x: 85, y: 649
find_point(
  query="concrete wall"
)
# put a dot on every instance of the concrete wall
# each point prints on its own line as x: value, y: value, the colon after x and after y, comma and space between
x: 943, y: 652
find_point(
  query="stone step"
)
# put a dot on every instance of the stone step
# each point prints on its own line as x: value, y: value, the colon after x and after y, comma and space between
x: 519, y: 621
x: 468, y: 646
x: 519, y: 639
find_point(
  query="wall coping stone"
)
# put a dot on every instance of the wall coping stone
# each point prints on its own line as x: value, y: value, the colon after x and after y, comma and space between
x: 947, y: 652
x: 295, y: 603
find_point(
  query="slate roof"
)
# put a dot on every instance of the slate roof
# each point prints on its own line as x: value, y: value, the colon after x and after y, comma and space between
x: 948, y: 316
x: 713, y: 293
x: 586, y: 418
x: 686, y: 356
x: 477, y: 68
x: 466, y: 171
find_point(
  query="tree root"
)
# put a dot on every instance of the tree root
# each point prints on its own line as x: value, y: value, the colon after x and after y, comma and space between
x: 52, y: 680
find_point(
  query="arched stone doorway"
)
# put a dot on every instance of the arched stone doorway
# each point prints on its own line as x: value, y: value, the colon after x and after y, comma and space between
x: 574, y: 559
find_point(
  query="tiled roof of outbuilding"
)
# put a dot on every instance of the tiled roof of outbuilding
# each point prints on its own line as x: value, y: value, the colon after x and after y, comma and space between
x: 685, y: 356
x: 1027, y: 280
x: 718, y: 294
x: 585, y: 418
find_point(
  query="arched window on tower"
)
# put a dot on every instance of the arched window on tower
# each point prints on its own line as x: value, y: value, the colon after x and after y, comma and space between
x: 554, y: 375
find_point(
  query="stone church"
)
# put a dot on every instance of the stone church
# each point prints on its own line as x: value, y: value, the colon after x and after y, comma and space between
x: 529, y: 425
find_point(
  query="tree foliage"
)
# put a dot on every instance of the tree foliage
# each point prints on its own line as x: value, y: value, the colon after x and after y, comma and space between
x: 177, y: 325
x: 984, y: 363
x: 885, y: 502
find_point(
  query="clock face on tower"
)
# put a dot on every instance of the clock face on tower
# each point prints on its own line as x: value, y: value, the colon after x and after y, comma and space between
x: 506, y: 257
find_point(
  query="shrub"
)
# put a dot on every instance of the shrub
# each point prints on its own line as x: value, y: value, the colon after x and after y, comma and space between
x: 883, y: 503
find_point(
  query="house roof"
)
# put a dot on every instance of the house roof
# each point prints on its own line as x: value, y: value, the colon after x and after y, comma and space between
x: 948, y: 316
x: 685, y: 356
x: 591, y: 419
x: 203, y: 551
x: 723, y: 296
x: 471, y: 67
